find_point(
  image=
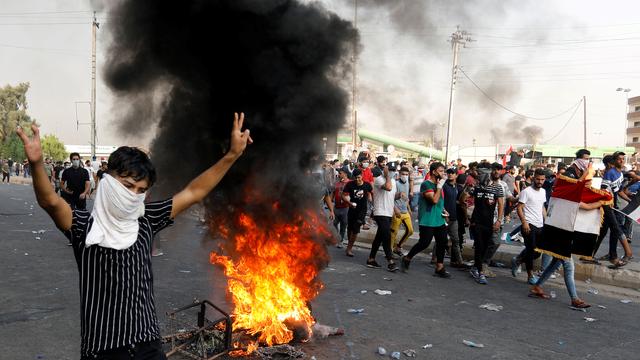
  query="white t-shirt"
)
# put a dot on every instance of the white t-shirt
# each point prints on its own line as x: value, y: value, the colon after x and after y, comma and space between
x: 533, y: 201
x: 383, y: 200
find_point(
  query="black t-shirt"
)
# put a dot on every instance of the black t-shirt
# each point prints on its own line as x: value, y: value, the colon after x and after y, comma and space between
x: 485, y: 201
x: 358, y: 195
x: 450, y: 200
x: 74, y: 179
x: 57, y: 169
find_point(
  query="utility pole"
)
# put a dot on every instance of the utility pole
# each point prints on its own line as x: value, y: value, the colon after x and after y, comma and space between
x: 584, y: 119
x: 354, y: 110
x: 94, y: 28
x: 459, y: 37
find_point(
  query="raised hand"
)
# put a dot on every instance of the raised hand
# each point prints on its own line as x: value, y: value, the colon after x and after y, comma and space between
x: 32, y: 146
x: 239, y: 139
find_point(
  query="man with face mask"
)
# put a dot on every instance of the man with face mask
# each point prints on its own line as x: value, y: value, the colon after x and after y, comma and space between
x: 112, y: 244
x: 75, y: 184
x: 402, y: 212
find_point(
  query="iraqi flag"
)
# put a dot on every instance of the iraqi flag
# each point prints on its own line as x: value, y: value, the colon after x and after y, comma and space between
x: 569, y: 229
x: 632, y: 210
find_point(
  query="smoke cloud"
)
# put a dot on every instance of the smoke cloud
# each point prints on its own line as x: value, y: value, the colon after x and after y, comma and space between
x: 517, y: 129
x: 185, y: 68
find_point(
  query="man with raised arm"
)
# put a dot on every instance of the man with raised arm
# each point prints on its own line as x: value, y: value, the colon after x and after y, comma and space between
x: 112, y: 244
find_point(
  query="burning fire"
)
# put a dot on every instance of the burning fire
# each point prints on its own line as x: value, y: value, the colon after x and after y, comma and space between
x: 272, y: 276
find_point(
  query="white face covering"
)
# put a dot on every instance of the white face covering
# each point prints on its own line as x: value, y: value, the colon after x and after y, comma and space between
x: 115, y: 215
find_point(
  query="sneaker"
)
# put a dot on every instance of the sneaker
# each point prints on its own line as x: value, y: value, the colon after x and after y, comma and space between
x: 392, y: 267
x: 507, y: 238
x: 339, y: 245
x: 490, y: 274
x: 398, y: 251
x: 442, y: 273
x: 514, y: 267
x: 404, y: 264
x: 554, y: 275
x: 373, y: 264
x: 482, y: 280
x: 532, y: 280
x: 474, y: 273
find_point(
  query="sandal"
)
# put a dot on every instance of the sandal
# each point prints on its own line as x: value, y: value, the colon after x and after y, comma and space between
x: 539, y: 294
x: 627, y: 258
x: 617, y: 264
x: 580, y: 304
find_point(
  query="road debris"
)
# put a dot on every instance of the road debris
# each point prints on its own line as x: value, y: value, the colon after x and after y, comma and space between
x: 589, y: 319
x: 472, y: 344
x: 552, y: 294
x: 279, y: 352
x: 382, y: 292
x: 382, y: 351
x: 355, y: 311
x: 395, y: 355
x: 602, y: 306
x: 491, y: 307
x: 363, y: 291
x: 428, y: 346
x: 387, y: 279
x: 322, y: 331
x: 185, y: 271
x: 577, y: 309
x: 592, y: 291
x: 409, y: 353
x: 625, y: 301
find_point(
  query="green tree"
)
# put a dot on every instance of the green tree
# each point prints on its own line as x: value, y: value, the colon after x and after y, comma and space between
x: 12, y: 148
x: 53, y: 148
x: 13, y: 110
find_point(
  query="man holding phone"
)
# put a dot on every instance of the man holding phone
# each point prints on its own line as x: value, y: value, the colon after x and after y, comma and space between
x: 431, y: 214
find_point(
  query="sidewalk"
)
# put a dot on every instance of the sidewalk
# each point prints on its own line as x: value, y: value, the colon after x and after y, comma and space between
x: 20, y: 180
x: 627, y: 277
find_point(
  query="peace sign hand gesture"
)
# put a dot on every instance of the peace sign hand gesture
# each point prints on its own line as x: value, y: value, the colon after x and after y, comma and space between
x: 239, y: 139
x: 32, y: 146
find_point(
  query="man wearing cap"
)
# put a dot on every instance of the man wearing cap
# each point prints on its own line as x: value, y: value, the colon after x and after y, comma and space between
x: 340, y: 207
x: 485, y: 221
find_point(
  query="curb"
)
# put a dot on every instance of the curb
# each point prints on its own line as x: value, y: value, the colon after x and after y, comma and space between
x: 627, y: 277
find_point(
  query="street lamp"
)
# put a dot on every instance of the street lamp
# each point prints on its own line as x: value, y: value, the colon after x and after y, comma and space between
x: 626, y: 110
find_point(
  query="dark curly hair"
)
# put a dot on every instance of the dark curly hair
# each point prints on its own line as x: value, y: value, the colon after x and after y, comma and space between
x: 130, y: 161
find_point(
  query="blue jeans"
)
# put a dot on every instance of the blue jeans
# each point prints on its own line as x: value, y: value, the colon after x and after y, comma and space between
x: 568, y: 270
x: 415, y: 198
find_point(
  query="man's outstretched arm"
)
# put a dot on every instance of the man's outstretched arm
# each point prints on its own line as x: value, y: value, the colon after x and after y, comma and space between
x: 202, y: 185
x: 54, y: 205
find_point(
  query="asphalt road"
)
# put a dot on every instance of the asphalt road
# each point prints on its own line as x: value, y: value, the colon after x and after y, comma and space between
x: 39, y: 310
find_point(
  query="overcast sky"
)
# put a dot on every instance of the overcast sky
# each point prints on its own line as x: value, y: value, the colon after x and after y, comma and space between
x: 536, y: 58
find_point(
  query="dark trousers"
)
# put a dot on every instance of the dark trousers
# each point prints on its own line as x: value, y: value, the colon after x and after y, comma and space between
x: 427, y: 233
x: 5, y: 176
x: 151, y: 350
x: 383, y: 237
x: 340, y: 221
x: 482, y: 239
x: 492, y: 247
x: 529, y: 254
x: 75, y: 202
x: 610, y: 223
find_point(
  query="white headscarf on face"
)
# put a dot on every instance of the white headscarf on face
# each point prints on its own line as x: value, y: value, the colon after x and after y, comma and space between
x: 115, y: 215
x: 581, y: 164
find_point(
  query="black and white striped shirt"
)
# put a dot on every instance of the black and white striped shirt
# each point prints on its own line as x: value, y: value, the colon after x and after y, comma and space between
x: 116, y: 286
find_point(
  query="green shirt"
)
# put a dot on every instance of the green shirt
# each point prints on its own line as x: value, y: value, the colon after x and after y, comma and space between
x: 430, y: 214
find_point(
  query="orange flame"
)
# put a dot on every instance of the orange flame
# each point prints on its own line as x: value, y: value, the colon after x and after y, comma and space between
x: 273, y: 276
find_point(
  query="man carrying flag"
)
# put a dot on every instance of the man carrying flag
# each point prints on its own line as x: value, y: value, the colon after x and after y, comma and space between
x: 572, y: 226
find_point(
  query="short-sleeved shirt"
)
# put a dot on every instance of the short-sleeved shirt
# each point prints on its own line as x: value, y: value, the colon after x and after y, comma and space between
x: 75, y: 179
x: 510, y: 180
x: 416, y: 177
x: 430, y: 214
x: 383, y: 200
x: 613, y: 179
x: 485, y: 201
x: 358, y: 194
x: 400, y: 203
x: 337, y: 195
x: 450, y: 199
x: 116, y: 286
x: 48, y: 168
x: 533, y: 201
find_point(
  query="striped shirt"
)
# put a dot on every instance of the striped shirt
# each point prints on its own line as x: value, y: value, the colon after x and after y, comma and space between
x: 116, y: 286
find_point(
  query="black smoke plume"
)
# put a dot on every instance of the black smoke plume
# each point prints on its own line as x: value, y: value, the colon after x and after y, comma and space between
x: 187, y: 66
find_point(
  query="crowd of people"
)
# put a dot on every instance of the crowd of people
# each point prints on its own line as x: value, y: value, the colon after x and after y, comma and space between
x: 449, y: 201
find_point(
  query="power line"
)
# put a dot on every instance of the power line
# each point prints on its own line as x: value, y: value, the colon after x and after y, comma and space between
x: 565, y: 124
x: 511, y: 111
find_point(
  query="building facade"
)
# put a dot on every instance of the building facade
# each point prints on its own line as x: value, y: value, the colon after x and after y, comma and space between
x: 633, y: 122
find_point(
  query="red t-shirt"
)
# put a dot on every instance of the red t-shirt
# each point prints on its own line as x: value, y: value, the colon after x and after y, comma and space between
x: 367, y: 176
